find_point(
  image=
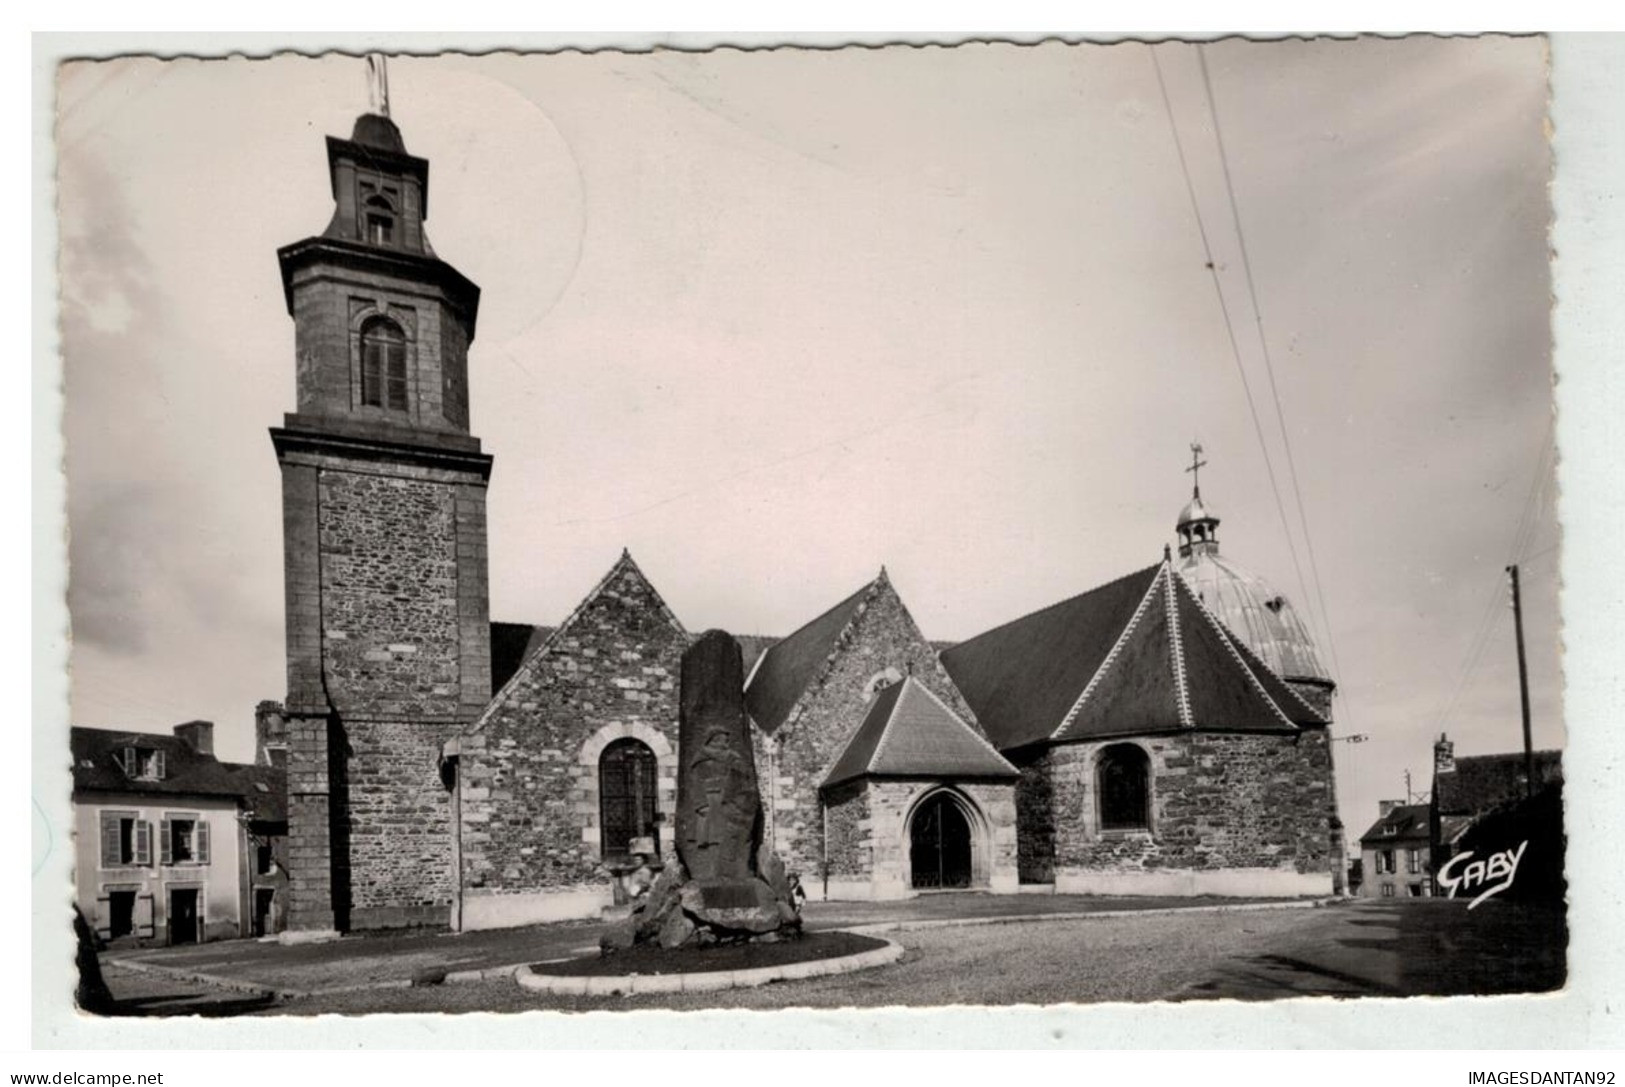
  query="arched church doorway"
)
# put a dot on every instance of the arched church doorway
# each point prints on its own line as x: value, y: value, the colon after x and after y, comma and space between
x: 940, y: 844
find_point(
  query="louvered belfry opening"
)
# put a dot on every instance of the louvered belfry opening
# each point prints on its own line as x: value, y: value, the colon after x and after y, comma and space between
x: 626, y: 794
x: 940, y: 845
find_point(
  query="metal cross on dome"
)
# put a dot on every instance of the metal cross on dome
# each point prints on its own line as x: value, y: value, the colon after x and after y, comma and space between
x: 1197, y: 464
x: 378, y: 84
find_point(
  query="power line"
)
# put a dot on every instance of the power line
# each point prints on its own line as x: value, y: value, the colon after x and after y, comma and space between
x: 1269, y: 366
x: 1229, y: 328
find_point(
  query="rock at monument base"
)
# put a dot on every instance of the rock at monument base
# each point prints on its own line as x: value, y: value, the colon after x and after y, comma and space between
x: 771, y: 869
x: 659, y: 903
x: 621, y: 936
x: 742, y: 905
x: 676, y: 931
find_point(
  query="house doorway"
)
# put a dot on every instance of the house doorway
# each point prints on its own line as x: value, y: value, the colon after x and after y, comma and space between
x: 183, y: 919
x: 120, y: 914
x: 263, y: 898
x: 940, y: 845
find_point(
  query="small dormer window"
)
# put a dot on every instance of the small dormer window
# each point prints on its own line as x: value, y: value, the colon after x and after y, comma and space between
x: 379, y: 218
x: 383, y: 365
x: 143, y: 763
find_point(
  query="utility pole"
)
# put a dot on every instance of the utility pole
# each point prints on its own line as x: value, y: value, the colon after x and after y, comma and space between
x: 1523, y: 684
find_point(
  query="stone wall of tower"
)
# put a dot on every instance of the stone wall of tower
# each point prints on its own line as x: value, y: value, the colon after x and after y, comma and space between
x: 1230, y: 814
x: 389, y: 657
x: 882, y: 635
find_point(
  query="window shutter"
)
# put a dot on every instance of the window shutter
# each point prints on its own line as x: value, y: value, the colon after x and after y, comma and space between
x: 200, y: 845
x: 129, y: 762
x: 166, y: 854
x: 143, y: 843
x: 109, y: 840
x: 158, y: 765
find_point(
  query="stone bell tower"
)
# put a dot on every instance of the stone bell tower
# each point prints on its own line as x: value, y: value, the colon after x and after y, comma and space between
x: 384, y: 545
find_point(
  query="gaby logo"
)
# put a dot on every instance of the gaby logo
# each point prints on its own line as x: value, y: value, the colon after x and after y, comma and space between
x: 1462, y: 873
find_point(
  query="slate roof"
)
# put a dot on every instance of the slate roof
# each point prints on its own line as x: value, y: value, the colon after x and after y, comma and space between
x: 791, y: 663
x: 1482, y: 782
x: 1406, y: 823
x: 1139, y: 654
x: 98, y: 767
x: 751, y: 648
x: 910, y: 732
x: 1021, y: 678
x: 511, y: 643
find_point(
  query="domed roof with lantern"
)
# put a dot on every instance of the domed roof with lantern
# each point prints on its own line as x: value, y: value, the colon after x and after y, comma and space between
x: 1243, y: 601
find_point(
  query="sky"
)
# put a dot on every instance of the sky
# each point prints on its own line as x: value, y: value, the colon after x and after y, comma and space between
x: 773, y: 319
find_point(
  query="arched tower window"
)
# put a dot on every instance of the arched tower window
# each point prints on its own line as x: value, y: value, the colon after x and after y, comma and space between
x: 626, y: 798
x: 1123, y: 776
x: 383, y: 364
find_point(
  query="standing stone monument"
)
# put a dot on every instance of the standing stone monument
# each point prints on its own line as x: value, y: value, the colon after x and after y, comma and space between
x: 725, y: 883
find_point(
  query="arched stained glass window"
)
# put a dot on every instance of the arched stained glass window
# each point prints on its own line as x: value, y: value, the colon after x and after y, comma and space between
x: 383, y: 364
x: 626, y: 798
x: 1123, y: 774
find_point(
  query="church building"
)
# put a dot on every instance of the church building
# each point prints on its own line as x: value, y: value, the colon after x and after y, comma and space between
x: 1165, y: 733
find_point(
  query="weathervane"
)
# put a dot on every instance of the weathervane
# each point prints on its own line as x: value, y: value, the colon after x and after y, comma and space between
x: 378, y: 84
x: 1197, y: 464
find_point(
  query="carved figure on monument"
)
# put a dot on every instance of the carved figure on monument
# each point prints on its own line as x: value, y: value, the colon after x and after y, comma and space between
x: 725, y: 884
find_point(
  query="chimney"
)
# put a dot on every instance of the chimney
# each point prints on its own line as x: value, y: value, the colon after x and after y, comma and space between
x: 270, y: 734
x: 1444, y: 756
x: 198, y: 735
x: 1384, y: 807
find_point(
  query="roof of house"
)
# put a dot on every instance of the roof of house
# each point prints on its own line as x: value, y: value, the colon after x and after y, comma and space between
x: 1139, y: 654
x: 1481, y: 782
x: 98, y: 766
x: 1403, y: 823
x: 910, y: 732
x: 791, y: 663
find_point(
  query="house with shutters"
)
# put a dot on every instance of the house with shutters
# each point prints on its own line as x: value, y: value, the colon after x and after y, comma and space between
x: 171, y: 840
x: 1395, y: 861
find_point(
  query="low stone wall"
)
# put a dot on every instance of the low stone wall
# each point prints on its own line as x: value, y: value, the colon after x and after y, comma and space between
x: 486, y: 910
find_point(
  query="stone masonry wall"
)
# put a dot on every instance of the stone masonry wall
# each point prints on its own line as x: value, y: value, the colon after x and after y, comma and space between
x: 993, y: 832
x: 1035, y: 816
x: 389, y: 593
x: 1218, y: 801
x: 882, y: 635
x: 388, y: 657
x: 328, y: 314
x: 400, y: 824
x: 529, y: 768
x: 847, y: 818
